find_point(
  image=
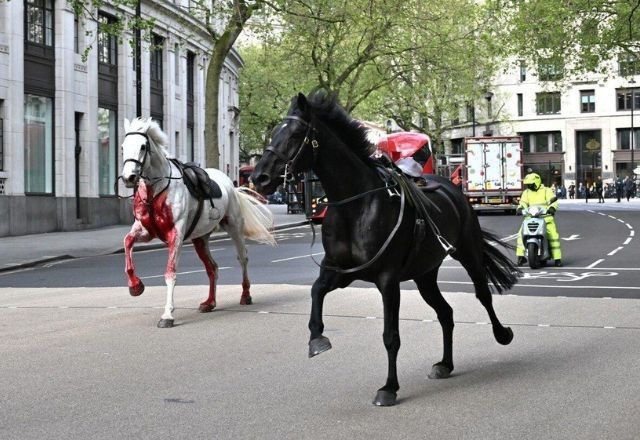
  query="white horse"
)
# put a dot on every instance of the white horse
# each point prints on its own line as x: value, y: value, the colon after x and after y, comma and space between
x: 164, y: 209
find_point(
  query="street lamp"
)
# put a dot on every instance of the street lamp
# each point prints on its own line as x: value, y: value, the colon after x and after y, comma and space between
x: 632, y: 83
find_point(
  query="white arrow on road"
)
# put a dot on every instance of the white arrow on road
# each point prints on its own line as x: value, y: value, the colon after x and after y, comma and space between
x: 573, y: 237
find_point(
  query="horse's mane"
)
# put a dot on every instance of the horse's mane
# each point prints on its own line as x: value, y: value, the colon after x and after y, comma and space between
x: 354, y: 134
x: 153, y: 130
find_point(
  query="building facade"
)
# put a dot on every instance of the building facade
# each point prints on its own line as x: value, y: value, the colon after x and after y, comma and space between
x: 61, y: 116
x: 573, y: 131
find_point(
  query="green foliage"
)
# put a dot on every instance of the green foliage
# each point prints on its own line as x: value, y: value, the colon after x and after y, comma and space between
x: 585, y: 34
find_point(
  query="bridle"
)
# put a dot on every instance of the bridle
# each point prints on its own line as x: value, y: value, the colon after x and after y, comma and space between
x: 146, y: 147
x: 309, y: 139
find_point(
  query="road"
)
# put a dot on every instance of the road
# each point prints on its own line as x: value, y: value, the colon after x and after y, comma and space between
x: 83, y: 359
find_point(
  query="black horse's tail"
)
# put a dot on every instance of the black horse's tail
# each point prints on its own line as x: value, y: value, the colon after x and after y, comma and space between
x: 501, y: 271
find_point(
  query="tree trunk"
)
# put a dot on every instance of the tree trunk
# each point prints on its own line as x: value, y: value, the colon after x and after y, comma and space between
x: 211, y: 110
x: 222, y: 46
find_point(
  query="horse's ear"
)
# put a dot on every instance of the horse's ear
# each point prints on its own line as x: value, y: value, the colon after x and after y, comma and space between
x: 127, y: 124
x: 302, y: 102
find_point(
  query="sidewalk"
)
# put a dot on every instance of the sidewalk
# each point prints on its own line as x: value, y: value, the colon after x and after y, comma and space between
x: 31, y: 250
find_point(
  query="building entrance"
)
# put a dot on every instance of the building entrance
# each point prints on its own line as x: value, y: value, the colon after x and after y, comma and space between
x: 588, y: 156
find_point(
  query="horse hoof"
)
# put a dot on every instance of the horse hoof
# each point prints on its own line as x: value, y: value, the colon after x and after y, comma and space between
x: 206, y: 308
x: 440, y: 371
x: 165, y: 323
x: 503, y: 335
x: 318, y: 345
x: 246, y: 300
x: 384, y: 398
x: 137, y: 289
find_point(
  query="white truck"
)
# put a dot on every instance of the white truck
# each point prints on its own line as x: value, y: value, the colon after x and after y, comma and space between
x: 492, y: 175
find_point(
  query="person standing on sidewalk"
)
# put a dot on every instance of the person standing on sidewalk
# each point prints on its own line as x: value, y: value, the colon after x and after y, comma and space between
x: 586, y: 193
x: 619, y: 188
x: 628, y: 187
x: 572, y: 191
x: 599, y: 189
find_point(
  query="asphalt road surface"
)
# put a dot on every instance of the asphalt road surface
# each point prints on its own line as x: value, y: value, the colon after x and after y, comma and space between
x: 82, y: 359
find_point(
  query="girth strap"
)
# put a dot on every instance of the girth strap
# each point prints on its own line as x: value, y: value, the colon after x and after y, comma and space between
x: 194, y: 222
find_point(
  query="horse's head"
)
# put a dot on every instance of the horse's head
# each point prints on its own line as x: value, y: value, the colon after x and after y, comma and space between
x: 142, y: 138
x: 290, y: 149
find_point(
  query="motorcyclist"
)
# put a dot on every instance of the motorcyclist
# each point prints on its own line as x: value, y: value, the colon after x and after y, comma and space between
x: 536, y: 193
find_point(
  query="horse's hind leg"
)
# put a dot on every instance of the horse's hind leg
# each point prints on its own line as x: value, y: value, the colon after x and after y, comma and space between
x: 201, y: 246
x: 428, y: 286
x: 474, y: 267
x: 235, y: 232
x: 390, y: 289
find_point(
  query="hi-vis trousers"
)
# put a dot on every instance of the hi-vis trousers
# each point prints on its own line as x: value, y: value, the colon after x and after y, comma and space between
x: 552, y: 236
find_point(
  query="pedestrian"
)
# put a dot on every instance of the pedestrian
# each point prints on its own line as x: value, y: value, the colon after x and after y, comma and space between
x: 586, y: 193
x: 619, y: 188
x: 580, y: 190
x: 628, y: 187
x: 599, y: 189
x: 572, y: 190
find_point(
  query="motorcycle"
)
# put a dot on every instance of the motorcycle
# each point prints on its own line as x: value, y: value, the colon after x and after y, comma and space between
x: 534, y: 236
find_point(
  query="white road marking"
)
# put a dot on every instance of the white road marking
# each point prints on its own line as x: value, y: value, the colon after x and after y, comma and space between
x: 620, y: 220
x: 555, y: 286
x: 627, y: 241
x: 632, y: 233
x: 601, y: 213
x: 183, y: 273
x: 613, y: 252
x: 612, y: 217
x: 295, y: 258
x: 629, y: 226
x: 595, y: 263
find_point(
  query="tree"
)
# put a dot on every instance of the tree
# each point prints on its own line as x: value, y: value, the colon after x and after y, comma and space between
x: 451, y: 65
x: 267, y: 83
x: 582, y: 35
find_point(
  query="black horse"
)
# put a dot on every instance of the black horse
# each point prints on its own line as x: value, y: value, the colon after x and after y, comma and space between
x: 371, y: 233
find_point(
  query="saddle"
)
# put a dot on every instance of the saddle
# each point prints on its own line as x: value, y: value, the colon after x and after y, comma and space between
x: 198, y: 182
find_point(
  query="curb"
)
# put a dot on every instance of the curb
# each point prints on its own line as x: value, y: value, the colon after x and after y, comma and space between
x: 144, y: 247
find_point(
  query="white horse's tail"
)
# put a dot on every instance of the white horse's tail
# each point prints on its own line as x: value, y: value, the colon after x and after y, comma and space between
x: 258, y: 219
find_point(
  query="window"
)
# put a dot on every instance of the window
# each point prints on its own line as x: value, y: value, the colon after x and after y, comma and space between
x: 76, y: 33
x: 624, y: 138
x: 1, y: 142
x: 623, y: 98
x: 156, y: 59
x: 176, y: 58
x: 628, y: 64
x: 520, y: 105
x: 38, y: 144
x: 587, y: 101
x: 542, y: 142
x: 548, y: 103
x: 107, y: 151
x: 190, y: 155
x: 471, y: 110
x: 550, y: 70
x: 39, y: 21
x: 191, y: 58
x: 107, y: 43
x: 523, y: 71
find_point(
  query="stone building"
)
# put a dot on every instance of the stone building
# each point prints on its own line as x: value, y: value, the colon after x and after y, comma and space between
x: 573, y: 130
x: 61, y: 117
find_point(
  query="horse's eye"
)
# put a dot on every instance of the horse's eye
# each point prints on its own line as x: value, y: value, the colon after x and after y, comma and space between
x: 144, y: 147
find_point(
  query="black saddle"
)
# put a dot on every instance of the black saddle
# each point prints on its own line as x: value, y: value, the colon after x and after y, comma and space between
x: 198, y: 182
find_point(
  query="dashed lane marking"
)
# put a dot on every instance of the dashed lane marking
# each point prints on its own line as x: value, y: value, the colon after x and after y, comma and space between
x: 595, y: 263
x: 627, y: 241
x: 264, y: 312
x: 613, y: 252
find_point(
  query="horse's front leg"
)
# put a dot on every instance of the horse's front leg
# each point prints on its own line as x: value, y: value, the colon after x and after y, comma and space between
x: 174, y: 242
x: 137, y: 234
x: 390, y: 290
x: 323, y: 285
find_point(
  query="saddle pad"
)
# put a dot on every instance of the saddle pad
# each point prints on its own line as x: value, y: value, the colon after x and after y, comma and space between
x: 198, y: 182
